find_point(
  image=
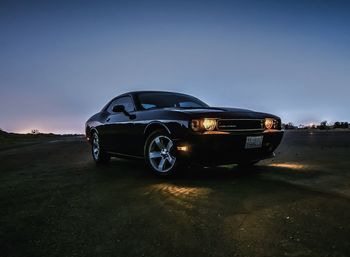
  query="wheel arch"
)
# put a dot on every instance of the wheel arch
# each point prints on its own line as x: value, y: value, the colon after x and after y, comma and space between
x: 89, y: 133
x: 153, y: 126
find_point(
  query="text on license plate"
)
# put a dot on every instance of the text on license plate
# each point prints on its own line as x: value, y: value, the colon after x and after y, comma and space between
x: 253, y: 142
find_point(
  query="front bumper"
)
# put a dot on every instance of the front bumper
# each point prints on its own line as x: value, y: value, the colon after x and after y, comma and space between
x: 216, y: 149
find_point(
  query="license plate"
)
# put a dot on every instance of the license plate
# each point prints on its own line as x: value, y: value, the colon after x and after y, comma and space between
x: 253, y: 142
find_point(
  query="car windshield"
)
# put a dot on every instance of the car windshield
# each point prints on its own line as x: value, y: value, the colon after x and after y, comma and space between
x: 155, y: 100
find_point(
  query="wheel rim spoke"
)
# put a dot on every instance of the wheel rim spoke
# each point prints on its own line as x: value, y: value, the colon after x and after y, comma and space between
x: 169, y: 146
x: 161, y: 164
x: 171, y: 160
x: 154, y: 155
x: 159, y: 143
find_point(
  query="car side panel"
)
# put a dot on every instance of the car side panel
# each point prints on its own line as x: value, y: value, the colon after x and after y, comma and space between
x: 116, y: 131
x: 148, y: 121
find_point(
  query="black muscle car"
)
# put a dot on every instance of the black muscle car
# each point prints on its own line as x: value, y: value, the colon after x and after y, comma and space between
x: 169, y: 130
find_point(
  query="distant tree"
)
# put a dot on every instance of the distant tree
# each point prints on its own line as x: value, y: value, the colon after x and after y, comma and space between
x: 289, y: 125
x: 323, y: 125
x: 339, y: 124
x: 35, y: 131
x: 312, y: 126
x: 336, y: 124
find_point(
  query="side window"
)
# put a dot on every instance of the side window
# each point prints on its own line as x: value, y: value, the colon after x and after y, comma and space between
x: 125, y: 101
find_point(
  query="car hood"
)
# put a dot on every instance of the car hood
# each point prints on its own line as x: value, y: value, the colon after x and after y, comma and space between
x: 223, y: 113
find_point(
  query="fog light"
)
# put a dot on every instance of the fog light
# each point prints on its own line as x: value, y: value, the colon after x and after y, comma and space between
x: 183, y: 148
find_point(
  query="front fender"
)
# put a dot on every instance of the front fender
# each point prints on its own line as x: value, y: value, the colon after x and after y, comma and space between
x: 175, y: 128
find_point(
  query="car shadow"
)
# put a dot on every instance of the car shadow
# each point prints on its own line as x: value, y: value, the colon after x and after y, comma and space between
x: 128, y: 169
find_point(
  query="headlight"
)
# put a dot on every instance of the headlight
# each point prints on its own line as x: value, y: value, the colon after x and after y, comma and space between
x: 209, y: 124
x: 271, y: 123
x: 205, y: 124
x: 196, y: 125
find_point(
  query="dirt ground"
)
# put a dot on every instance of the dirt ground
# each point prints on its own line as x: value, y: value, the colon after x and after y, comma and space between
x: 55, y: 202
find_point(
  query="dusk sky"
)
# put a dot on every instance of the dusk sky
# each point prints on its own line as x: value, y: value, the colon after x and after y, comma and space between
x: 61, y: 61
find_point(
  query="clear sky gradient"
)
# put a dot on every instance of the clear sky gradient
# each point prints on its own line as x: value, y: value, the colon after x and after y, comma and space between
x: 61, y: 61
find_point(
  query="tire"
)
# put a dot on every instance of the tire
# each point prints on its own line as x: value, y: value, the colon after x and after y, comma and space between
x: 160, y: 154
x: 98, y: 154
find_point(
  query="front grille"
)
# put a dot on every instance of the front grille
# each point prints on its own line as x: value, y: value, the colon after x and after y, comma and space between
x: 240, y: 124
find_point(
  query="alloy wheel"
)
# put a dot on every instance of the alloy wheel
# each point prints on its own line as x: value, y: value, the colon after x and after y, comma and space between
x: 95, y: 146
x: 160, y: 154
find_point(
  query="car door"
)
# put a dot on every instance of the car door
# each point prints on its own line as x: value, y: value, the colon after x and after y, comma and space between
x: 118, y: 129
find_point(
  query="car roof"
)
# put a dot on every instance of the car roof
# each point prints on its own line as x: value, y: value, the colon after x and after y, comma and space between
x: 138, y: 92
x: 151, y: 91
x: 134, y: 93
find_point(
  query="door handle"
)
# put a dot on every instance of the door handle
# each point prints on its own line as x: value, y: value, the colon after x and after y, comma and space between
x: 108, y: 119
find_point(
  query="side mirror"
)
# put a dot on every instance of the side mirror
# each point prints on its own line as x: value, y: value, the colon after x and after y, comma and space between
x: 118, y: 108
x: 121, y: 108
